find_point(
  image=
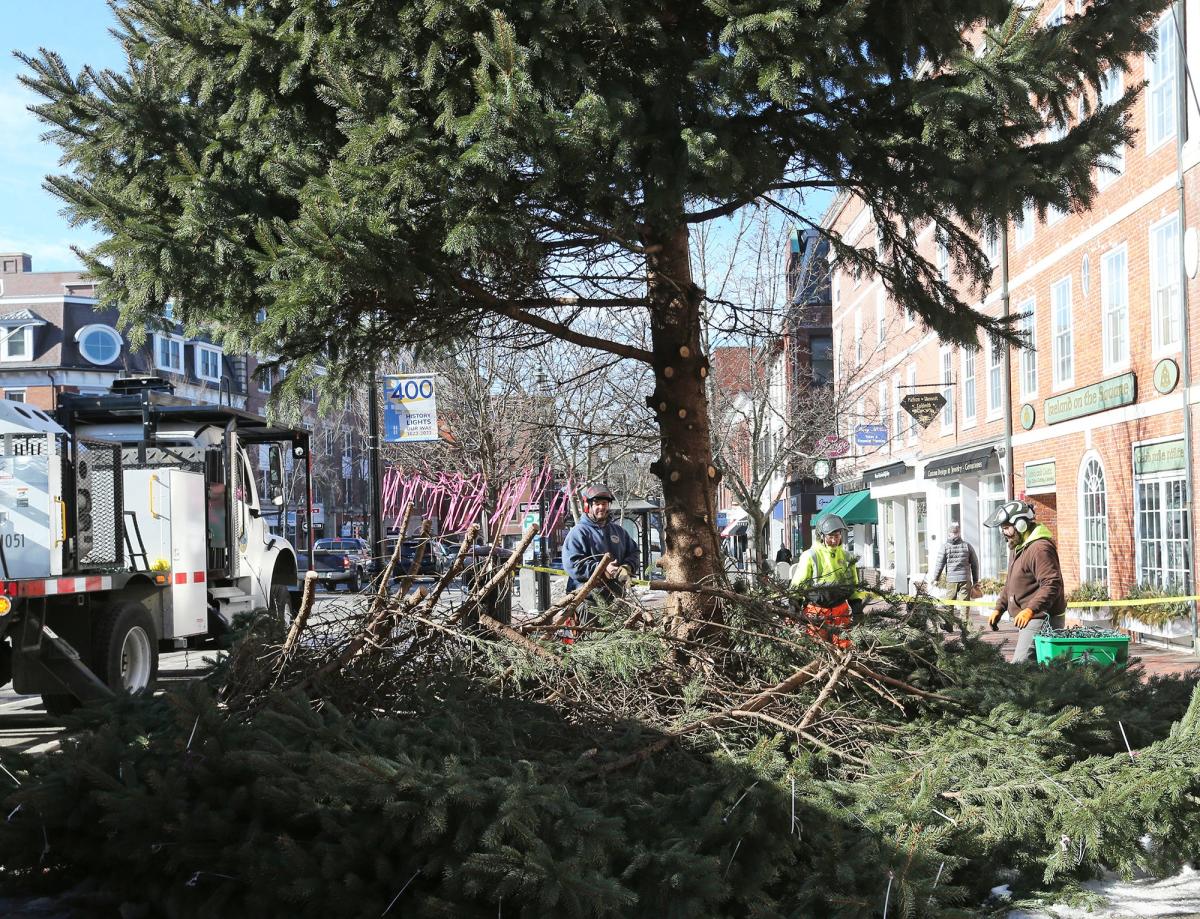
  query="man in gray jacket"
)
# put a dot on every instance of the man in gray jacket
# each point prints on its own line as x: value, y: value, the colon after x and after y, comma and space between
x: 959, y: 561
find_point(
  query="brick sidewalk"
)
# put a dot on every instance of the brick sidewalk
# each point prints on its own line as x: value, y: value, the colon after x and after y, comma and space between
x: 1154, y: 659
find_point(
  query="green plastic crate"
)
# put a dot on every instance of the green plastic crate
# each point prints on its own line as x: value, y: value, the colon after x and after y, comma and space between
x: 1082, y: 650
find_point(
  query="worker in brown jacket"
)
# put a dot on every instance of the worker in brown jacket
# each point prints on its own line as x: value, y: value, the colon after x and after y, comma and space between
x: 1033, y: 592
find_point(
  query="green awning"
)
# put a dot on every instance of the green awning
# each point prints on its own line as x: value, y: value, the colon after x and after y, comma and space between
x: 856, y: 507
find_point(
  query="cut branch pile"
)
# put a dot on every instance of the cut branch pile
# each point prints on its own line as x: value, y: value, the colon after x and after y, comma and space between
x: 417, y: 746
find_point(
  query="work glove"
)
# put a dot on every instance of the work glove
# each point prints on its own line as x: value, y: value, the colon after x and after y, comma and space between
x: 994, y: 619
x: 1023, y: 618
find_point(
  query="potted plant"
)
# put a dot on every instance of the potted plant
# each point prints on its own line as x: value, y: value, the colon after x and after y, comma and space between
x: 1100, y: 616
x: 1162, y: 620
x: 991, y: 587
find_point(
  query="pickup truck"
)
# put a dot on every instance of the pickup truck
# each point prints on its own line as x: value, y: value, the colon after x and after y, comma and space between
x: 340, y: 561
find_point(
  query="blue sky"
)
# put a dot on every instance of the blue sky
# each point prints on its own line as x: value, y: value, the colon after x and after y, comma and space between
x: 29, y: 216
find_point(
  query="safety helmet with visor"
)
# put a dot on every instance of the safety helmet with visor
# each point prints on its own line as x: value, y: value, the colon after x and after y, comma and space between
x: 830, y: 524
x: 1017, y: 514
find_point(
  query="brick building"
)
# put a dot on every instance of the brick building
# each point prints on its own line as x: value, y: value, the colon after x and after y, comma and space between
x: 1093, y: 423
x: 55, y: 338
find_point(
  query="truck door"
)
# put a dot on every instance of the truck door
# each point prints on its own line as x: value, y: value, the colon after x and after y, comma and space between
x: 249, y: 528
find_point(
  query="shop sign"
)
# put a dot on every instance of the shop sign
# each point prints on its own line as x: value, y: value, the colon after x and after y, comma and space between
x: 963, y: 464
x: 871, y: 435
x: 823, y: 501
x: 1166, y: 375
x: 1028, y: 416
x: 886, y: 473
x: 923, y: 406
x: 1099, y: 397
x: 849, y: 487
x: 833, y: 446
x: 1040, y: 475
x: 1167, y: 456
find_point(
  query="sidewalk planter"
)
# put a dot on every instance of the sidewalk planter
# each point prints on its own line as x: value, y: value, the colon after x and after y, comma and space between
x: 1092, y: 616
x: 1171, y: 629
x: 1082, y: 650
x: 1165, y: 620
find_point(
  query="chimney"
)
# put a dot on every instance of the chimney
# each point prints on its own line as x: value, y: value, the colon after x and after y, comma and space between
x: 15, y: 263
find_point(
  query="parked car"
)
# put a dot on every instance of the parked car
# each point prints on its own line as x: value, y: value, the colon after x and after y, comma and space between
x: 434, y: 562
x: 343, y: 560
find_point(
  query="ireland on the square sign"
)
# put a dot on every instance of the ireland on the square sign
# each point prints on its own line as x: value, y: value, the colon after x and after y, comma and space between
x: 924, y: 406
x: 409, y: 408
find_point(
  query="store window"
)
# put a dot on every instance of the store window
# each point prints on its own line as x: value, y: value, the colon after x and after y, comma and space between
x: 889, y: 528
x: 994, y: 550
x: 953, y: 502
x: 1161, y: 516
x: 1094, y: 502
x: 917, y: 551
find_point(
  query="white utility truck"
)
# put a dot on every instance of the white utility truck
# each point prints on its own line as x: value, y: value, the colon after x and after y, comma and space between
x: 130, y: 522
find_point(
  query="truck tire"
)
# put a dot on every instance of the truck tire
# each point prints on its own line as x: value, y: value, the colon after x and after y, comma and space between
x: 126, y: 649
x: 355, y: 583
x: 281, y: 607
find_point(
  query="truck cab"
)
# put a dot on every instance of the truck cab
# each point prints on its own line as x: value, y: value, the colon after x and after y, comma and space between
x: 130, y: 522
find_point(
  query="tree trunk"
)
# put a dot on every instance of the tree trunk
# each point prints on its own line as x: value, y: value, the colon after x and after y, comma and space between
x: 680, y: 403
x: 754, y: 532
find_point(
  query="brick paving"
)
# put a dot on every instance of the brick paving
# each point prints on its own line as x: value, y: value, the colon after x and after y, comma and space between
x: 1154, y: 659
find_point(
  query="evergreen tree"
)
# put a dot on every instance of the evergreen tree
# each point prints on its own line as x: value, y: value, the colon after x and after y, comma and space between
x: 373, y: 172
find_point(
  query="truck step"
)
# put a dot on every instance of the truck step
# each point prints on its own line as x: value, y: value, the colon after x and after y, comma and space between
x: 226, y: 593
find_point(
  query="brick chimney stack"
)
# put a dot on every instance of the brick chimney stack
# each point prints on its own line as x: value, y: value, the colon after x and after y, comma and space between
x: 15, y: 263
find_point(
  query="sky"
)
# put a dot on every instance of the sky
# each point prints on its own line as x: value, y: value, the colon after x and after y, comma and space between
x: 30, y: 218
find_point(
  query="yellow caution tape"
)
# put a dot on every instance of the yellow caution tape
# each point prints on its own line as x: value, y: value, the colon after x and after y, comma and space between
x: 986, y: 604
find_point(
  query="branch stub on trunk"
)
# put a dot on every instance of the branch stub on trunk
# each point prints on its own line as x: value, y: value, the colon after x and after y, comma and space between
x: 698, y: 551
x: 668, y: 372
x: 685, y: 351
x: 683, y: 413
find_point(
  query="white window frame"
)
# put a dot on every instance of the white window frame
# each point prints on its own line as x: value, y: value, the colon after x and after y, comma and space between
x: 997, y: 348
x: 1027, y: 364
x: 106, y: 330
x: 945, y: 377
x: 1114, y: 307
x: 1056, y: 17
x: 174, y: 340
x: 1023, y: 229
x: 1166, y: 328
x: 880, y: 319
x: 266, y: 377
x: 1062, y: 337
x: 970, y: 358
x: 991, y: 246
x: 15, y: 394
x: 1162, y: 120
x: 943, y: 260
x: 993, y: 556
x: 1162, y: 484
x: 1055, y: 131
x: 1112, y: 88
x: 1093, y: 527
x: 329, y: 439
x: 199, y: 349
x: 21, y: 333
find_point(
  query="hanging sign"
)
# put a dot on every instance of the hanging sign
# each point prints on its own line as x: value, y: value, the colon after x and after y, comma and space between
x: 833, y: 446
x: 409, y: 409
x: 1028, y: 416
x: 1043, y: 475
x: 923, y: 406
x: 1166, y: 375
x: 871, y: 435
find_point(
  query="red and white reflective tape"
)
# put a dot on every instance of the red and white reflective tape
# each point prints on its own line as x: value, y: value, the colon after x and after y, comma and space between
x: 183, y: 577
x: 53, y: 587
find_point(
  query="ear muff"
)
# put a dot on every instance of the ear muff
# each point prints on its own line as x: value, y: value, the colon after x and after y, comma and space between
x: 1021, y: 525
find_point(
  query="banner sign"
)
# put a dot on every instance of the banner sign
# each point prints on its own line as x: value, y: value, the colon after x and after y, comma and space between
x: 884, y: 473
x: 924, y: 406
x: 1041, y: 475
x: 963, y: 464
x: 1098, y: 397
x: 871, y: 435
x: 409, y: 409
x: 1167, y: 456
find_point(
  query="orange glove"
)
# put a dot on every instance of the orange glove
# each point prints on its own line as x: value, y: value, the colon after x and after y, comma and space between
x: 1023, y: 618
x: 994, y: 619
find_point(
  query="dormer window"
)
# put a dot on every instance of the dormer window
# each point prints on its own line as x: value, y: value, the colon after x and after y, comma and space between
x: 208, y: 362
x: 99, y: 344
x: 16, y: 335
x: 168, y: 353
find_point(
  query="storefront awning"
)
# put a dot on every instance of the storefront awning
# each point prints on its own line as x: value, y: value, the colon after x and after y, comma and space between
x: 961, y: 464
x: 734, y: 528
x: 886, y: 473
x: 855, y: 508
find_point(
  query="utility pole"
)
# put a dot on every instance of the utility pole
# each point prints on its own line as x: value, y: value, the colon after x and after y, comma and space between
x: 374, y: 479
x: 543, y: 561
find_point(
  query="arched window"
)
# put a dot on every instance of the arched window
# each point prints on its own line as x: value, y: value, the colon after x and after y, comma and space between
x: 1095, y: 523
